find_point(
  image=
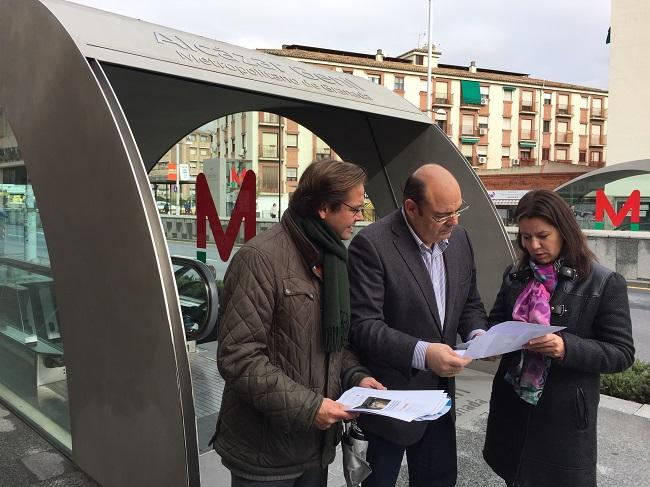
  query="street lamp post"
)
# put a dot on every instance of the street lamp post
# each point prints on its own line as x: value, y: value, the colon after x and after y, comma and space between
x: 429, y: 58
x: 178, y: 178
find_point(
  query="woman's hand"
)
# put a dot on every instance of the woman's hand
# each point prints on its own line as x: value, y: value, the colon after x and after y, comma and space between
x: 371, y: 383
x: 550, y: 345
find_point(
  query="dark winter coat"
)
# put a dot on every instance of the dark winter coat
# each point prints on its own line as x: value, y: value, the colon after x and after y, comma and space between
x: 271, y: 356
x: 554, y: 443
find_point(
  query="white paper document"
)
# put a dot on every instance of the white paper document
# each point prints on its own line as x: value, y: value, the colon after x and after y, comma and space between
x: 505, y: 337
x: 403, y: 405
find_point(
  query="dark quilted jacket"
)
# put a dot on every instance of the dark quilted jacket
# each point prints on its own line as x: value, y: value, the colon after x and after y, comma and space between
x: 554, y: 443
x: 272, y: 360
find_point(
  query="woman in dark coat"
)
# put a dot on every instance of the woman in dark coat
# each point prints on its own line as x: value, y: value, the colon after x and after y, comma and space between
x: 542, y: 424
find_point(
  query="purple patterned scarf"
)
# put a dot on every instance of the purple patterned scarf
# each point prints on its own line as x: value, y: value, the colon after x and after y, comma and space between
x: 529, y: 374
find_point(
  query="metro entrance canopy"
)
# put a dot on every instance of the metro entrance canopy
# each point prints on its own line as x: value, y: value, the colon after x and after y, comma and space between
x: 97, y: 99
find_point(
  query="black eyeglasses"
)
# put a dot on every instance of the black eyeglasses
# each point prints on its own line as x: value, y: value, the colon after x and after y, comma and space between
x: 354, y: 210
x: 444, y: 219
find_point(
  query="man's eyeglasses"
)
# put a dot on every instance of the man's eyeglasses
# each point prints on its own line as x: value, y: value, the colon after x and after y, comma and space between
x: 354, y: 210
x: 444, y: 219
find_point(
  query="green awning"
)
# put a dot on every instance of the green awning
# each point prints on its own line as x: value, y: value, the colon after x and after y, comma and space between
x: 528, y: 143
x: 509, y: 88
x: 469, y: 140
x: 471, y: 92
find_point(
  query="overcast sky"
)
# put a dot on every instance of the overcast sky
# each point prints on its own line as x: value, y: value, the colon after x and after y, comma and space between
x: 560, y: 40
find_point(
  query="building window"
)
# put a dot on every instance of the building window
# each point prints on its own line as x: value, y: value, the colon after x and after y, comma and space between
x: 547, y: 126
x: 467, y: 127
x: 582, y: 156
x: 547, y: 98
x: 546, y: 154
x: 419, y: 60
x: 204, y: 138
x: 191, y: 138
x: 507, y: 95
x: 204, y: 152
x: 467, y: 151
x: 243, y: 142
x: 232, y: 146
x: 399, y: 83
x: 269, y: 145
x: 423, y: 85
x: 561, y: 155
x: 507, y: 122
x: 292, y: 140
x: 584, y: 102
x: 192, y: 151
x: 292, y: 174
x: 525, y: 154
x: 269, y: 178
x: 485, y: 94
x: 375, y: 78
x: 595, y: 156
x: 505, y: 151
x: 584, y: 129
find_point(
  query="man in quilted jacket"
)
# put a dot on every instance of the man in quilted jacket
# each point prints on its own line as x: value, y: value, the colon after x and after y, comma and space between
x: 285, y: 314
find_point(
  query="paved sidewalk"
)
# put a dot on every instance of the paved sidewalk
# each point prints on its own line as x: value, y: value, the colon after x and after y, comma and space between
x: 623, y: 441
x: 623, y: 446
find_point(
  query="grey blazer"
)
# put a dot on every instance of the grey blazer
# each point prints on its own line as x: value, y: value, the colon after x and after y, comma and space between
x: 393, y: 306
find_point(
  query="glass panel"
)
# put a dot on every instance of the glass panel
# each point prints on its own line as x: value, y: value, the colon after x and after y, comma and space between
x: 32, y: 366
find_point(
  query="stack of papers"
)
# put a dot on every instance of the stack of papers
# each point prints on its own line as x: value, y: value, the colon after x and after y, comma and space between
x: 505, y: 337
x: 403, y: 405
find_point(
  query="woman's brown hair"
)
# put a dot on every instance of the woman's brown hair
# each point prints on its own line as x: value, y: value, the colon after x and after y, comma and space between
x: 550, y: 207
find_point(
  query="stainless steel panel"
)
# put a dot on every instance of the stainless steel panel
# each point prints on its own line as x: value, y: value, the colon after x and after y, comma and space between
x: 129, y: 385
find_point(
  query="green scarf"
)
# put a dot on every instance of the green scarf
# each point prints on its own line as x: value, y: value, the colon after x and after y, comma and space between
x: 335, y: 318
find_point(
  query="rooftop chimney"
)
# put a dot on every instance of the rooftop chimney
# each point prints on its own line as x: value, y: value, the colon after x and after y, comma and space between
x: 472, y: 67
x: 379, y: 56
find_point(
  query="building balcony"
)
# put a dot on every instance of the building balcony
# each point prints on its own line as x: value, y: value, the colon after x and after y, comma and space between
x: 564, y: 111
x: 323, y: 153
x: 269, y: 119
x: 564, y: 137
x: 598, y: 140
x: 443, y: 99
x: 527, y: 161
x: 598, y: 113
x: 445, y: 126
x: 526, y: 134
x: 473, y: 106
x: 268, y: 152
x: 469, y: 131
x: 526, y: 106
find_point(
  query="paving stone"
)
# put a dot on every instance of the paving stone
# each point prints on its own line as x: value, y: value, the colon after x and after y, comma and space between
x: 45, y: 465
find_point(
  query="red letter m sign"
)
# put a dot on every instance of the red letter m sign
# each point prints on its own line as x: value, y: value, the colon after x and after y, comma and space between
x: 205, y: 209
x: 632, y: 205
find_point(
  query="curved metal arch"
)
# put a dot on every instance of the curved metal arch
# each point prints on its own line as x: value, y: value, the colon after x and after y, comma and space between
x: 573, y: 191
x: 130, y: 397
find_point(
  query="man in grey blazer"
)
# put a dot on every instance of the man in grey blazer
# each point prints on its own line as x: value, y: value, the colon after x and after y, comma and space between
x: 412, y: 290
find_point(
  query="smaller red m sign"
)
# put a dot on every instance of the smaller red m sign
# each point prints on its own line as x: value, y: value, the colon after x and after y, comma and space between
x: 631, y: 206
x: 244, y: 210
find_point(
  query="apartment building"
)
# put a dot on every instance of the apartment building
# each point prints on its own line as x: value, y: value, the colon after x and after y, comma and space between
x: 517, y: 131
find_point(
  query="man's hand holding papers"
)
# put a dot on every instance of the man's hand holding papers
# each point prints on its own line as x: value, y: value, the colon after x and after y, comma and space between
x: 403, y: 405
x: 510, y: 336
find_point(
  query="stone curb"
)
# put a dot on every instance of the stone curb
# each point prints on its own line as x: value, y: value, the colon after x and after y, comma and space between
x: 623, y: 406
